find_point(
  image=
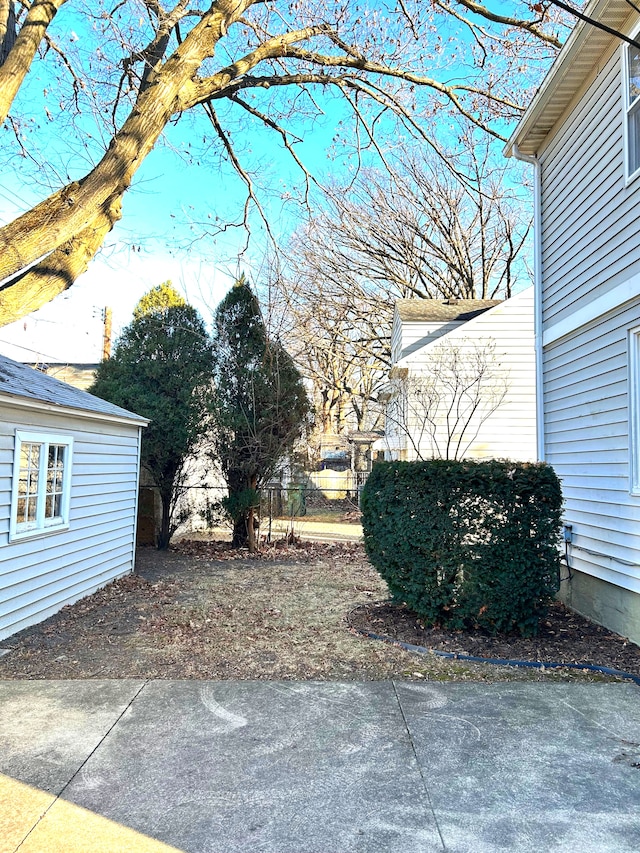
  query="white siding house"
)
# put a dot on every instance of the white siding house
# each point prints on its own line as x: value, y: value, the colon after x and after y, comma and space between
x: 500, y: 334
x: 582, y: 134
x: 69, y: 467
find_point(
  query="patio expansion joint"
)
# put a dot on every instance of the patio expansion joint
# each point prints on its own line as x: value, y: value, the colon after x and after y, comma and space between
x: 419, y: 766
x: 60, y: 794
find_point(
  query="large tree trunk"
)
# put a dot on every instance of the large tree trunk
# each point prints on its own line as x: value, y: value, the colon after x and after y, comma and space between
x: 245, y: 523
x: 239, y: 537
x: 61, y: 234
x: 56, y: 272
x: 244, y: 532
x: 252, y: 522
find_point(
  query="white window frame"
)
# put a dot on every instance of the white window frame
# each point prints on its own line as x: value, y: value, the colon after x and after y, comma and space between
x: 41, y: 526
x: 629, y: 110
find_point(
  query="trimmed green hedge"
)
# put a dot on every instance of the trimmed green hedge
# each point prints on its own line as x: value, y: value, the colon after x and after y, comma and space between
x: 466, y: 543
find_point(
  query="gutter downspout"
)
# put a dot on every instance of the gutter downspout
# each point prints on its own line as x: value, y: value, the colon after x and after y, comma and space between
x: 537, y: 289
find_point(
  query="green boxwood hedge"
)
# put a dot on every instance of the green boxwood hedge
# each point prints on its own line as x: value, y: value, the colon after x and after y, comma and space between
x: 466, y: 543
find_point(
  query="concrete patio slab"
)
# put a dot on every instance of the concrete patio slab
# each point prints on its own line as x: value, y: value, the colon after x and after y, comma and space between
x: 47, y: 731
x: 33, y: 821
x: 286, y: 767
x: 49, y: 728
x: 513, y: 767
x: 21, y: 809
x: 263, y: 766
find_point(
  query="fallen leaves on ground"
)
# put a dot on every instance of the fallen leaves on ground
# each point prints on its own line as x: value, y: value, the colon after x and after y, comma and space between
x: 204, y: 610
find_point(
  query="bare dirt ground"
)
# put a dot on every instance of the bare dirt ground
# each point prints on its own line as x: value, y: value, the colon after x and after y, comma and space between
x: 204, y: 611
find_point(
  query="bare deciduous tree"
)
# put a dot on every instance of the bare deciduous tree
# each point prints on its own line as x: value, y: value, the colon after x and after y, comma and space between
x: 337, y: 349
x: 416, y: 232
x: 266, y: 61
x: 440, y: 410
x: 421, y: 231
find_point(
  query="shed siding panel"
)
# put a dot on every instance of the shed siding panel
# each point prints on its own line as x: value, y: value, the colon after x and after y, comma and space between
x: 591, y: 231
x: 587, y: 443
x: 6, y: 473
x: 40, y: 575
x: 415, y: 336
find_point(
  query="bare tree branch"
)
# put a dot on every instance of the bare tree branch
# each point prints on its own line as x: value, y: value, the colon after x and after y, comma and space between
x: 509, y: 21
x: 146, y: 71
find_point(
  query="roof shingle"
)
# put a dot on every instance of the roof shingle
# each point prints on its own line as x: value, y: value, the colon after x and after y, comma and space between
x: 442, y: 310
x: 20, y: 380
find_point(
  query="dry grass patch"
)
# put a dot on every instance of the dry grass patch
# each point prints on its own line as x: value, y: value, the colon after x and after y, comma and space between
x: 204, y: 611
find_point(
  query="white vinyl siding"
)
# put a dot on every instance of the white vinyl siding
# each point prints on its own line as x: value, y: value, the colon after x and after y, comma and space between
x: 396, y: 338
x: 587, y: 439
x: 409, y: 337
x: 39, y: 576
x: 631, y: 83
x: 510, y: 432
x: 591, y: 230
x: 634, y: 411
x: 591, y: 248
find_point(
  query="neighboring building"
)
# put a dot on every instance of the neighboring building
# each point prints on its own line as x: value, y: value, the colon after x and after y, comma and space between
x: 69, y: 468
x: 79, y: 375
x: 582, y: 132
x: 418, y: 322
x: 488, y: 335
x: 334, y: 451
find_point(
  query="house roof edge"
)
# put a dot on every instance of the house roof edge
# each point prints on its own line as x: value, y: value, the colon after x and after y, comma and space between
x: 564, y: 79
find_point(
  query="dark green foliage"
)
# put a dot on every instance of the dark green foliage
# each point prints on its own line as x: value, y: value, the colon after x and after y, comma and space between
x: 162, y: 369
x: 237, y: 504
x: 466, y: 543
x: 261, y: 407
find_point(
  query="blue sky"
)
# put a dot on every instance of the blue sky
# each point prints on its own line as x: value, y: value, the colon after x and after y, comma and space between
x: 176, y: 195
x: 174, y: 201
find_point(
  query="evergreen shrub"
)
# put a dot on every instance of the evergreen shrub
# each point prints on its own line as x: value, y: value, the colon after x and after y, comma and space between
x: 466, y: 543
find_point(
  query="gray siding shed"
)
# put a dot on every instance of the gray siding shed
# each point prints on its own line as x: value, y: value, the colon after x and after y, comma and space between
x: 43, y: 571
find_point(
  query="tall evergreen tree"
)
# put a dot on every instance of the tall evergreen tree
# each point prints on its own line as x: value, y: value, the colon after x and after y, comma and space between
x: 261, y: 406
x: 162, y: 369
x: 159, y: 298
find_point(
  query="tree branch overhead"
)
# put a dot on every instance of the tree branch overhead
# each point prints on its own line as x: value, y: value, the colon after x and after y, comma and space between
x: 149, y: 70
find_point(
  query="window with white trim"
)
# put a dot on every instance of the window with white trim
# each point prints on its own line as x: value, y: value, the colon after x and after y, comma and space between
x: 632, y: 108
x: 634, y: 411
x: 41, y: 484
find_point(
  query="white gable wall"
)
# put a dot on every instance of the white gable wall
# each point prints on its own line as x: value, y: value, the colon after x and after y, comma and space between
x: 396, y: 338
x: 416, y: 335
x: 38, y: 576
x: 510, y: 432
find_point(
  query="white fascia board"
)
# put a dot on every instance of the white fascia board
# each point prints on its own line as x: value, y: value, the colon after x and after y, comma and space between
x: 573, y: 46
x: 625, y: 292
x: 52, y: 408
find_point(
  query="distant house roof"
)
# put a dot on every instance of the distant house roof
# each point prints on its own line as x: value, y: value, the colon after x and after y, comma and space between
x: 20, y: 380
x: 442, y: 310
